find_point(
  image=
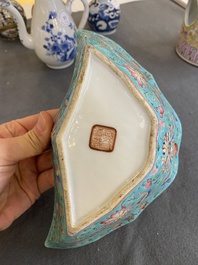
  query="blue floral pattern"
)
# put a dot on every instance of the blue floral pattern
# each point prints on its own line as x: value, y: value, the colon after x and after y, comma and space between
x: 59, y: 45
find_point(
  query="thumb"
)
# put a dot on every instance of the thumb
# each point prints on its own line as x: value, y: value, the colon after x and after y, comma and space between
x: 32, y: 143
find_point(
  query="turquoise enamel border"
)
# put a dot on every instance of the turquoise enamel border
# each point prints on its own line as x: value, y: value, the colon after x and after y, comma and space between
x: 165, y: 165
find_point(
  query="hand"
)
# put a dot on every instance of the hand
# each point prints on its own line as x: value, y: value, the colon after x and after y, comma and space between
x: 25, y: 164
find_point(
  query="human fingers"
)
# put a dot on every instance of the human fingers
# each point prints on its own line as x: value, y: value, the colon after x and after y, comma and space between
x: 29, y: 122
x: 44, y: 161
x: 33, y: 143
x: 46, y: 180
x: 21, y: 126
x: 17, y: 204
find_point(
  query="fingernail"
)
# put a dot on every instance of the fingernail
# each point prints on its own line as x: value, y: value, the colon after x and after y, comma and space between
x: 41, y: 124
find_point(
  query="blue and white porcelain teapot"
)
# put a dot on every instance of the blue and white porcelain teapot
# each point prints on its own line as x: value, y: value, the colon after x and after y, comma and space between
x: 53, y: 31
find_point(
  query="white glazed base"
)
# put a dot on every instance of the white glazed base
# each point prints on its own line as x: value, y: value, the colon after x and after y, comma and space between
x: 60, y: 66
x: 95, y: 177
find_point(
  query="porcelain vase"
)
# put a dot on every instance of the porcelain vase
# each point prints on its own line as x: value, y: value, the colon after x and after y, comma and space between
x: 187, y: 45
x: 104, y: 16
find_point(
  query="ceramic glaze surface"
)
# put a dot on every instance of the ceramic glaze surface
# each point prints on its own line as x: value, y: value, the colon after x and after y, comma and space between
x: 53, y: 31
x: 8, y: 27
x: 130, y: 84
x: 98, y: 176
x: 187, y: 46
x: 58, y: 43
x: 104, y: 16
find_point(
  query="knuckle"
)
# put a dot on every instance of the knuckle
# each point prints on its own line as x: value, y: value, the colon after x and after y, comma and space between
x: 34, y: 141
x: 11, y: 128
x: 14, y: 128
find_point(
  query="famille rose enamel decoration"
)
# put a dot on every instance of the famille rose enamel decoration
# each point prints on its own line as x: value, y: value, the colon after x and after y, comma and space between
x: 115, y: 144
x: 187, y: 44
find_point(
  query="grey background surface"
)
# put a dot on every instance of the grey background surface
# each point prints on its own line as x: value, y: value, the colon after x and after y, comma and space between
x: 166, y: 233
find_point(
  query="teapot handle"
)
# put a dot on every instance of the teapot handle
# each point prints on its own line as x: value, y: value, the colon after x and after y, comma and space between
x: 191, y: 12
x: 84, y: 15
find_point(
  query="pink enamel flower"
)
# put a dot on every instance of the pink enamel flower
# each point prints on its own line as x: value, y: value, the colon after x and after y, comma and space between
x: 154, y: 171
x: 148, y: 183
x: 137, y: 75
x: 161, y: 111
x: 161, y: 123
x: 117, y: 216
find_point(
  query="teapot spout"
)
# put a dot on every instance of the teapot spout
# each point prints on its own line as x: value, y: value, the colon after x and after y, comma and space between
x: 24, y: 36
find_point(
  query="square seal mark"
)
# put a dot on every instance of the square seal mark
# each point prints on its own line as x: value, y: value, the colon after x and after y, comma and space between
x: 102, y: 138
